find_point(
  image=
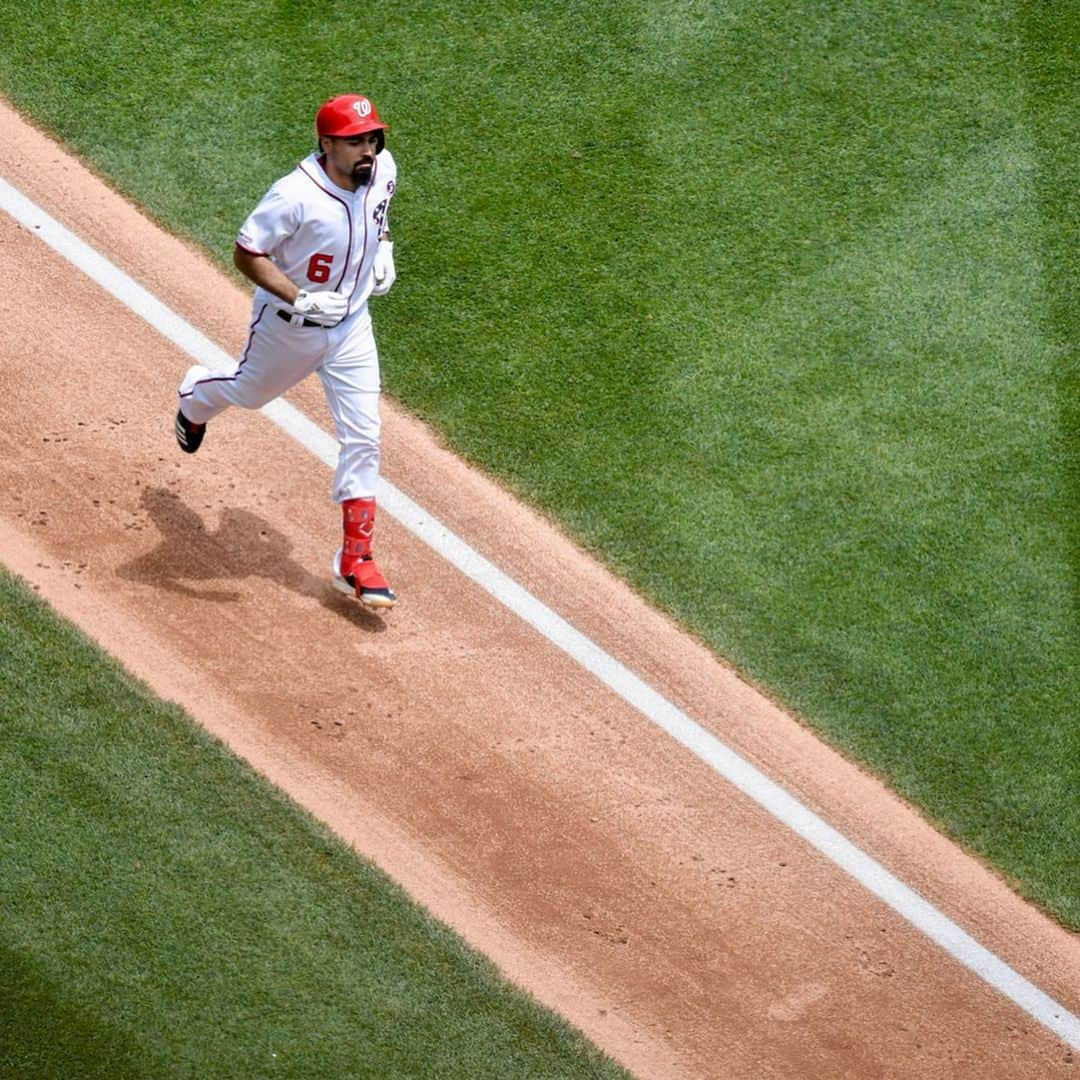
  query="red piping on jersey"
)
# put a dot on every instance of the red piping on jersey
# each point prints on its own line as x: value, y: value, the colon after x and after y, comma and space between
x: 348, y: 214
x: 370, y: 189
x: 252, y: 251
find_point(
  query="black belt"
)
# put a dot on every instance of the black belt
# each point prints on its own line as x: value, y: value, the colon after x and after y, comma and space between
x: 283, y: 314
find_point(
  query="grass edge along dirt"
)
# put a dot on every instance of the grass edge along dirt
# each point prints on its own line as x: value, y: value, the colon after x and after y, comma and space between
x: 165, y: 911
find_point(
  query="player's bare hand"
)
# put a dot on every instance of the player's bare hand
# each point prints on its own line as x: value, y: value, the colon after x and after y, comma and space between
x: 325, y: 308
x: 384, y: 268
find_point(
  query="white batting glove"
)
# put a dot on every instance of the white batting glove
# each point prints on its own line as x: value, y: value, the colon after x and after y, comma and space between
x: 384, y: 268
x: 325, y: 308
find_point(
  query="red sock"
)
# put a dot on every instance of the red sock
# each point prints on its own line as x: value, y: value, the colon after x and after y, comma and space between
x: 358, y: 520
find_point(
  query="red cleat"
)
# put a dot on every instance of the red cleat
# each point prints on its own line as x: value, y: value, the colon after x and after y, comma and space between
x: 365, y: 582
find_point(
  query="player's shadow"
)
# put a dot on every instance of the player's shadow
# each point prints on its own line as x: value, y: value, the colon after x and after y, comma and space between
x: 243, y: 545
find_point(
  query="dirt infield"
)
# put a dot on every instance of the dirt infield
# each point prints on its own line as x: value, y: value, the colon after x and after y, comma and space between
x: 603, y: 867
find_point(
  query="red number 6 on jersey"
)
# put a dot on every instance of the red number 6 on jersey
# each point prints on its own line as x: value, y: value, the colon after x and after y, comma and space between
x: 318, y: 268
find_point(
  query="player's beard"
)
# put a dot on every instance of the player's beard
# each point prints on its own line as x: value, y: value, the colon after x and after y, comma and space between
x: 361, y: 172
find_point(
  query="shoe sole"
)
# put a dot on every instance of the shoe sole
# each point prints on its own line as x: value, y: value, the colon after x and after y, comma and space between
x: 375, y: 603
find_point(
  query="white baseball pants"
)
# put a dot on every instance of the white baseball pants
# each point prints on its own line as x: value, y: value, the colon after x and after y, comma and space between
x: 277, y: 357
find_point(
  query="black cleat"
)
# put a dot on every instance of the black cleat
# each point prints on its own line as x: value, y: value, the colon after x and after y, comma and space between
x: 188, y: 435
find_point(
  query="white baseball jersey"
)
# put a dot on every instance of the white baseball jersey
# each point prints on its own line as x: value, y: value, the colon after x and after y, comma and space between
x: 320, y: 235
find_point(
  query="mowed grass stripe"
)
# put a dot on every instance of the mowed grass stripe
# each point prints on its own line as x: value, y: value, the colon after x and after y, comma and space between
x: 164, y: 911
x: 764, y: 302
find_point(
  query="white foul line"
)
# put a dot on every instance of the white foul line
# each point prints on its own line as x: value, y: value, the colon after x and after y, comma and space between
x: 735, y: 769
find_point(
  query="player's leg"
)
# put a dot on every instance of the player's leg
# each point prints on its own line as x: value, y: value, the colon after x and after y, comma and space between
x: 350, y: 379
x: 276, y: 357
x: 189, y: 434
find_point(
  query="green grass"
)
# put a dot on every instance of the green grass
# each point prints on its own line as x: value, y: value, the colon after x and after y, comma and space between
x: 771, y: 304
x: 164, y: 911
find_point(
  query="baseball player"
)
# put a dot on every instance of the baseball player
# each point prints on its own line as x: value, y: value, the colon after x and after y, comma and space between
x: 317, y: 247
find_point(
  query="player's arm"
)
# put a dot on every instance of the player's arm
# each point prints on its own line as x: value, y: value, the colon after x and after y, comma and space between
x: 384, y: 271
x: 263, y: 272
x: 323, y: 308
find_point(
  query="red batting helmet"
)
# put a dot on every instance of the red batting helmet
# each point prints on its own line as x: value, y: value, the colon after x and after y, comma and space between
x: 349, y: 114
